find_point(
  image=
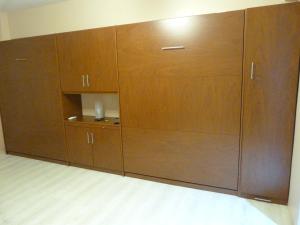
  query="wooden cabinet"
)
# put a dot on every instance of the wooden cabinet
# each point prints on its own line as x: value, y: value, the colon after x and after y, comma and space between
x: 80, y: 147
x: 95, y: 146
x: 107, y: 148
x: 271, y: 70
x: 183, y: 95
x: 30, y: 98
x: 180, y: 91
x: 87, y: 60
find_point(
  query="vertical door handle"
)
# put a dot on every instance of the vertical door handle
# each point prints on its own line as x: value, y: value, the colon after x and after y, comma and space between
x: 88, y: 137
x: 252, y: 71
x: 92, y: 136
x: 88, y: 80
x: 83, y: 80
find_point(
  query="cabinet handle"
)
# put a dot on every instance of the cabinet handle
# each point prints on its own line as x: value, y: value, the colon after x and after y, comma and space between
x: 173, y: 48
x: 88, y: 137
x: 21, y: 59
x: 87, y: 80
x: 263, y: 200
x: 92, y: 136
x: 83, y: 80
x: 252, y: 71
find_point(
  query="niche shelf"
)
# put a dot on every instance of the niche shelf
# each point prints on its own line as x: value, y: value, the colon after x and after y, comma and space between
x: 81, y: 108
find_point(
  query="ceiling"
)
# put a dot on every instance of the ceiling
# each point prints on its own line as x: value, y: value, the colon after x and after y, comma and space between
x: 8, y: 5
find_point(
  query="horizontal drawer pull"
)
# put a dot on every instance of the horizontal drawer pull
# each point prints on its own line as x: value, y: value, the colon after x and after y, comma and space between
x: 21, y: 59
x: 263, y: 200
x: 173, y: 47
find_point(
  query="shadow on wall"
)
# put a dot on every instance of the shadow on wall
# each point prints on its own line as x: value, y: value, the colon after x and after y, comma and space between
x: 2, y: 148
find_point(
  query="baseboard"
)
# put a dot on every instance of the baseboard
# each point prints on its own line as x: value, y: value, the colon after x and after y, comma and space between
x: 97, y: 169
x: 263, y: 199
x: 38, y: 158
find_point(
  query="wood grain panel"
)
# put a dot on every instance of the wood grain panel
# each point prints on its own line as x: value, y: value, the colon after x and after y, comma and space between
x: 80, y: 151
x: 30, y: 97
x: 107, y: 148
x: 181, y: 108
x: 88, y: 52
x: 200, y: 104
x: 72, y: 105
x: 185, y: 156
x: 272, y: 43
x: 212, y: 46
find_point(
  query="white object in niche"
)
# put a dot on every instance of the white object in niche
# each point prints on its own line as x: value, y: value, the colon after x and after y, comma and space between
x: 99, y: 110
x: 110, y: 103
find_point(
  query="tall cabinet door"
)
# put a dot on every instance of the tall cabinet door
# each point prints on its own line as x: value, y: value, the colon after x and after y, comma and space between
x: 30, y: 97
x: 88, y: 60
x: 180, y: 90
x: 271, y: 69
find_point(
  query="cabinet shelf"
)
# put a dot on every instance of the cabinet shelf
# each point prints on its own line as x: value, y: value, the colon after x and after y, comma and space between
x: 90, y: 120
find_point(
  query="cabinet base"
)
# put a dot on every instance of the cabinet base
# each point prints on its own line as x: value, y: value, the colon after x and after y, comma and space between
x: 183, y: 184
x: 37, y: 157
x: 263, y: 199
x: 97, y: 169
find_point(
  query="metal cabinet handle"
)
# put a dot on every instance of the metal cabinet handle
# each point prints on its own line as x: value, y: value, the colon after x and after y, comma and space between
x: 263, y: 200
x: 88, y: 137
x: 173, y: 47
x: 92, y: 136
x: 87, y: 80
x: 83, y: 80
x: 21, y: 59
x: 252, y: 71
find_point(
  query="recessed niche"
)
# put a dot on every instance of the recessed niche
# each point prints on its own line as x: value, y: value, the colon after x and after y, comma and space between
x: 83, y: 105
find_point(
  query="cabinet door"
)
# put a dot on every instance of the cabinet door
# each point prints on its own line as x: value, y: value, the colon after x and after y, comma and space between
x: 180, y: 90
x: 88, y: 60
x: 30, y: 98
x: 272, y: 44
x: 107, y: 148
x: 80, y: 148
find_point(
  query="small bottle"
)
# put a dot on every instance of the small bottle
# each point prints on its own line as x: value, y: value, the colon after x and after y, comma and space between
x: 99, y: 111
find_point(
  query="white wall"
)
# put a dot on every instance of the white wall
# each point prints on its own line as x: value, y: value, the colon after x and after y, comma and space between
x: 2, y: 147
x: 82, y: 14
x: 4, y: 27
x: 294, y: 201
x: 72, y: 15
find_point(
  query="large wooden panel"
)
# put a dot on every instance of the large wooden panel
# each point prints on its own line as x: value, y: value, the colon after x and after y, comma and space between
x: 80, y: 148
x: 30, y: 97
x: 107, y: 148
x: 92, y: 53
x: 184, y: 156
x: 272, y: 43
x: 181, y: 108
